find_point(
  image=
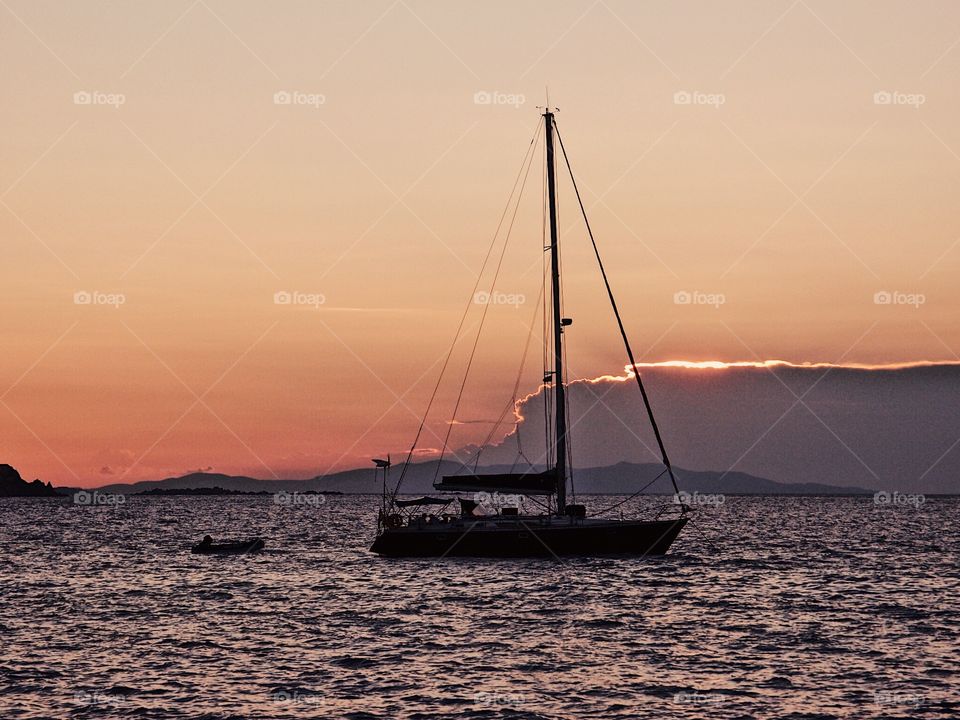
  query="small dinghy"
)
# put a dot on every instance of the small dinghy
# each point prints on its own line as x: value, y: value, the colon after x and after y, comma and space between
x: 208, y: 547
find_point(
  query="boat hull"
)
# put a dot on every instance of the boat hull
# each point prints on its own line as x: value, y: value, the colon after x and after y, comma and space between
x: 238, y: 548
x: 533, y: 538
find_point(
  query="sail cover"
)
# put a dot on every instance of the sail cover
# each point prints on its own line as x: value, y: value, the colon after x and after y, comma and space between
x: 531, y: 483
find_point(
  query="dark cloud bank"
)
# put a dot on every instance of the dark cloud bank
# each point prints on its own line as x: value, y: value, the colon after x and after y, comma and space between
x: 894, y: 428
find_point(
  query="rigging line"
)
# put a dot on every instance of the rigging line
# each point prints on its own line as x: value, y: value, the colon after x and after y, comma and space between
x: 483, y: 316
x: 522, y: 454
x: 566, y: 402
x: 545, y: 506
x: 713, y: 548
x: 614, y: 507
x: 512, y: 402
x: 557, y: 377
x: 566, y: 364
x: 516, y: 389
x: 463, y: 317
x: 623, y: 332
x: 497, y: 423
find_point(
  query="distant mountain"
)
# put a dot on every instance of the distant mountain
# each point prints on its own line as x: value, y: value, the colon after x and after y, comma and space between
x: 626, y: 477
x: 228, y: 483
x: 200, y: 491
x: 12, y: 485
x: 614, y: 479
x: 197, y: 480
x: 220, y: 491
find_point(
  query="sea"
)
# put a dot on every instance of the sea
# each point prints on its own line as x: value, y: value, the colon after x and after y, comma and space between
x: 765, y: 607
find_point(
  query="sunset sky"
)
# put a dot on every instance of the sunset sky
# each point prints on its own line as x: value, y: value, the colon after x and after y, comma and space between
x: 766, y: 180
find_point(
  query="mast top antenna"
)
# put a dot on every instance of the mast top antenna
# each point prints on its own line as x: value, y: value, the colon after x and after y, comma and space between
x: 546, y: 108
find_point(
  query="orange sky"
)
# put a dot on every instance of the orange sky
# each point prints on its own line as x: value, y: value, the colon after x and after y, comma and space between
x: 816, y: 164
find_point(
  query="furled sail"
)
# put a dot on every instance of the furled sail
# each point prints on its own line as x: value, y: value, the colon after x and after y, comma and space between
x: 530, y: 483
x: 416, y: 502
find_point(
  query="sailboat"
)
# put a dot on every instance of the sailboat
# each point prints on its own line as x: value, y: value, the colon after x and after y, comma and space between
x: 428, y: 527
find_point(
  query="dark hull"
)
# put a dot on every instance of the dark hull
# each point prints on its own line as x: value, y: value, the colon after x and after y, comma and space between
x: 531, y: 539
x: 229, y: 548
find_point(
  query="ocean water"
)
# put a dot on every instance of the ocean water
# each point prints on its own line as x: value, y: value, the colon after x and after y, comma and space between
x: 765, y: 607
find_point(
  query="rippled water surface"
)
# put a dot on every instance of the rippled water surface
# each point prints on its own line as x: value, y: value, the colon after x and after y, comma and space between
x: 765, y: 607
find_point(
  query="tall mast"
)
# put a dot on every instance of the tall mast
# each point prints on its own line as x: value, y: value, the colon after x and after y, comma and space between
x: 559, y: 392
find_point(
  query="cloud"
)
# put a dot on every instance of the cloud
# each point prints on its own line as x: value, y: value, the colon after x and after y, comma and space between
x: 894, y: 426
x: 771, y: 364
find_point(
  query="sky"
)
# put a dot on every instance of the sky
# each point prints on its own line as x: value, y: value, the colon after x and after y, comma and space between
x: 241, y: 235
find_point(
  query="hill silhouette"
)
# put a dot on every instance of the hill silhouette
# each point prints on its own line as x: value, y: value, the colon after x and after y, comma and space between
x: 12, y: 485
x: 621, y: 478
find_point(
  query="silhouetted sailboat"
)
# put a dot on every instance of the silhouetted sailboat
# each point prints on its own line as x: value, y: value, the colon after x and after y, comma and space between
x: 423, y: 527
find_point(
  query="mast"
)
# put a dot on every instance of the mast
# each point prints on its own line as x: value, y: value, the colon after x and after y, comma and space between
x: 560, y: 466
